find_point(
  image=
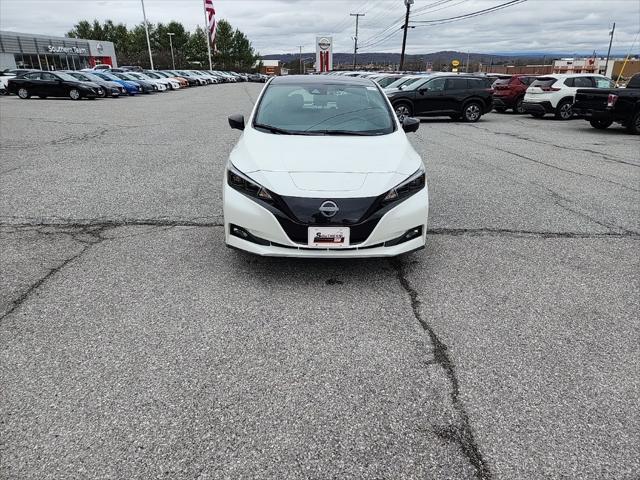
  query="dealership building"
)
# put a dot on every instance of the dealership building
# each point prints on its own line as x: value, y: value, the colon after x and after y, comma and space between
x: 45, y: 52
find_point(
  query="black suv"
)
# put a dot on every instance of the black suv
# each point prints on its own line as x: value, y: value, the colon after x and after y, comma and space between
x: 456, y: 96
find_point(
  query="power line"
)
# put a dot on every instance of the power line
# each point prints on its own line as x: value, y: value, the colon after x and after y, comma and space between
x: 477, y: 13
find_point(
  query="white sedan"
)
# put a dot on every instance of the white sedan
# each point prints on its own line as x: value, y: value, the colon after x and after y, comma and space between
x: 324, y: 169
x: 162, y: 85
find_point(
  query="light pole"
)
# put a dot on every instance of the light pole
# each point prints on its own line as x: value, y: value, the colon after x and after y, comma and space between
x: 606, y: 64
x: 173, y: 61
x: 146, y: 29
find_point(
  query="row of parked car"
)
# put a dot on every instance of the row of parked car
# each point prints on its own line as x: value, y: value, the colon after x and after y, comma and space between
x: 102, y: 82
x: 469, y: 96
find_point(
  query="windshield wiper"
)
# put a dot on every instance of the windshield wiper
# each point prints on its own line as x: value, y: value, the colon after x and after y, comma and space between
x: 272, y: 129
x: 340, y: 132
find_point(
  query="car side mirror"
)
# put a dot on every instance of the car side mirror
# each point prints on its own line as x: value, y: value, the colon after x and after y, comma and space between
x: 410, y: 124
x: 236, y: 121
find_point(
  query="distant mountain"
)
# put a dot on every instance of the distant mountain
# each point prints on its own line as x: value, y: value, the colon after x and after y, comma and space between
x: 443, y: 57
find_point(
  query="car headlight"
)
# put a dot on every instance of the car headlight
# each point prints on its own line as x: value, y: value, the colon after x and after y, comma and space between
x: 411, y: 185
x: 240, y: 182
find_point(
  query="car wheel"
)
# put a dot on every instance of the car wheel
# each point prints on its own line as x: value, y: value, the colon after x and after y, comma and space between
x: 537, y: 115
x: 472, y: 112
x: 23, y: 93
x: 103, y: 94
x: 519, y: 108
x: 600, y: 124
x: 74, y: 94
x: 564, y: 110
x: 403, y: 110
x: 500, y: 109
x: 634, y: 124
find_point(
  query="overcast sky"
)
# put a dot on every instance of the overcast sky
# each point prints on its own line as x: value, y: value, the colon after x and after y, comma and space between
x: 279, y: 26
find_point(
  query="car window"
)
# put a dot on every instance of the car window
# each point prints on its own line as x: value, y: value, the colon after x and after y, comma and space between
x: 435, y: 84
x: 32, y: 76
x: 543, y: 82
x: 602, y: 82
x: 583, y: 82
x: 569, y: 82
x: 477, y: 83
x: 47, y: 76
x: 456, y: 84
x: 308, y: 108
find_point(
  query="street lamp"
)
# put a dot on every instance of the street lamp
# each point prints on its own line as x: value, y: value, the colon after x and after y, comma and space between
x: 173, y: 61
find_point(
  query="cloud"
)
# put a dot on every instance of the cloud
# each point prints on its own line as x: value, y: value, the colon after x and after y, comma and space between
x: 279, y: 26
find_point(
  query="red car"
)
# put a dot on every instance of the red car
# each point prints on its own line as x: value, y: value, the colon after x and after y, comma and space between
x: 508, y: 93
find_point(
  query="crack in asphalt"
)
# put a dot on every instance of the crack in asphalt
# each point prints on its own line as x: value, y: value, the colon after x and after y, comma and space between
x: 113, y: 223
x: 550, y: 165
x: 461, y: 434
x: 93, y: 233
x: 563, y: 147
x: 478, y: 232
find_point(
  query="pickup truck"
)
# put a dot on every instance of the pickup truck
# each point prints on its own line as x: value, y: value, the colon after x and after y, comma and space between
x: 601, y: 107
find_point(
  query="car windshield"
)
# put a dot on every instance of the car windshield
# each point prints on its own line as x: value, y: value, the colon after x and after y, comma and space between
x: 81, y: 76
x: 411, y: 83
x: 67, y: 77
x: 399, y: 82
x: 324, y: 109
x: 92, y: 77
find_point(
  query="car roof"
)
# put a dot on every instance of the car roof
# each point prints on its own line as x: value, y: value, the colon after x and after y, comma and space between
x: 565, y: 75
x: 315, y: 79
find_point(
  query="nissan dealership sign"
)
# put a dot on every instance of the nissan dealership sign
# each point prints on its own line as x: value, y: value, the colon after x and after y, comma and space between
x: 78, y: 50
x: 324, y: 54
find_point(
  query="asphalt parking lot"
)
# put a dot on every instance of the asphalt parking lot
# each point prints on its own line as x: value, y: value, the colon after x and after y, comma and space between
x: 136, y: 345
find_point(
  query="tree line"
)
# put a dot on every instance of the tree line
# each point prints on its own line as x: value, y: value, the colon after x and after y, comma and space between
x: 233, y: 48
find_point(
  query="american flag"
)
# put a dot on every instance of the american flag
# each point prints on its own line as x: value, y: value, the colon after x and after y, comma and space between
x: 211, y: 18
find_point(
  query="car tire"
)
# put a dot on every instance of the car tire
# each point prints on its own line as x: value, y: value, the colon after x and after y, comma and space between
x: 519, y: 108
x: 500, y: 109
x: 103, y: 94
x: 23, y: 93
x: 403, y: 109
x: 472, y: 112
x: 564, y: 110
x: 633, y: 126
x: 600, y: 124
x: 74, y: 94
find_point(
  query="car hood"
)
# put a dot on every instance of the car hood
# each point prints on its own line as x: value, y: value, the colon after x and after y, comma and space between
x: 87, y: 84
x: 325, y: 165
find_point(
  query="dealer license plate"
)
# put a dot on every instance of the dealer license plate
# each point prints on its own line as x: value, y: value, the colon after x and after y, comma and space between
x: 329, y: 237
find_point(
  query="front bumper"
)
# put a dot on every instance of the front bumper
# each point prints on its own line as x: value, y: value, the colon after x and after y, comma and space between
x: 259, y: 222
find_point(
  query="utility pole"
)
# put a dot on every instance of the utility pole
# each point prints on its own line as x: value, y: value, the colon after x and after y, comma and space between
x: 355, y: 39
x: 173, y: 60
x: 408, y: 4
x: 146, y: 29
x: 300, y: 60
x: 606, y: 64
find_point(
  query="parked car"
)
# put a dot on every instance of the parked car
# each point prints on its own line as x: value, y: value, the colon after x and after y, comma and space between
x: 171, y: 83
x: 52, y: 84
x: 132, y: 88
x: 508, y: 93
x: 146, y: 87
x: 387, y: 79
x: 182, y: 81
x: 131, y: 68
x: 191, y: 80
x: 109, y: 88
x: 555, y: 93
x: 604, y: 106
x: 4, y: 79
x: 450, y: 95
x: 189, y: 75
x: 161, y: 85
x: 329, y: 201
x: 211, y: 79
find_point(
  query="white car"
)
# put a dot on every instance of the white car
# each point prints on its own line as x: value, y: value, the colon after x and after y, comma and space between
x: 324, y: 169
x: 556, y: 93
x: 162, y: 85
x: 207, y: 76
x: 198, y: 78
x: 171, y: 83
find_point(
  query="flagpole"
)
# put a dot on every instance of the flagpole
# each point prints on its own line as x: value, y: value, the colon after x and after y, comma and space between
x: 207, y: 34
x: 146, y: 29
